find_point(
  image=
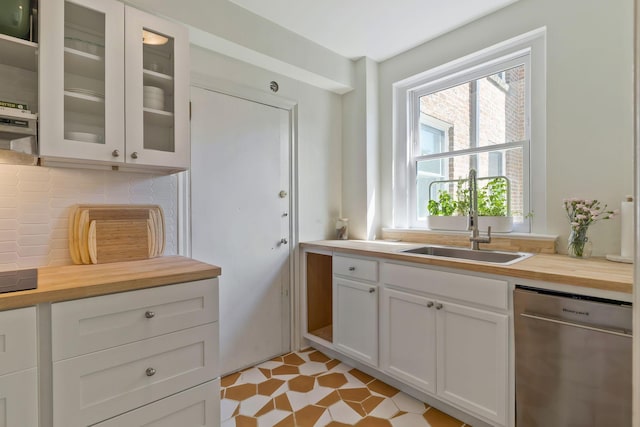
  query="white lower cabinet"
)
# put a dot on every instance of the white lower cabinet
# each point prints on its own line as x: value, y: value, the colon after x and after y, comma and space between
x: 196, y: 407
x: 355, y: 321
x: 136, y: 356
x: 472, y: 359
x: 454, y: 351
x: 442, y: 332
x: 408, y: 338
x: 96, y: 386
x: 18, y: 371
x: 19, y: 399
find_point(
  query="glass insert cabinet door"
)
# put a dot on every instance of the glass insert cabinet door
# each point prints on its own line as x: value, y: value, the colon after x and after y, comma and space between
x: 157, y: 91
x: 81, y: 79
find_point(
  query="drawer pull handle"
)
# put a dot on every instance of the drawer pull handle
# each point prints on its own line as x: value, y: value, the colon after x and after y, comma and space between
x: 150, y: 314
x: 439, y: 306
x: 150, y: 372
x: 430, y: 304
x: 352, y: 269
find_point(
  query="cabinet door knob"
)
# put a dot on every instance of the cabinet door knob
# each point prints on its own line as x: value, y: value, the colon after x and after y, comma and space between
x: 115, y: 153
x: 134, y: 155
x: 352, y: 269
x: 150, y: 314
x: 439, y: 306
x: 372, y: 290
x: 430, y: 304
x: 150, y: 372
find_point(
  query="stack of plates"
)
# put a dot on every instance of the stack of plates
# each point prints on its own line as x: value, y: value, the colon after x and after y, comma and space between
x: 84, y: 137
x: 153, y: 97
x: 83, y: 91
x: 112, y: 233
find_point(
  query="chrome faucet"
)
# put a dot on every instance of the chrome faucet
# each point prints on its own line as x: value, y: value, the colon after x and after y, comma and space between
x: 472, y: 224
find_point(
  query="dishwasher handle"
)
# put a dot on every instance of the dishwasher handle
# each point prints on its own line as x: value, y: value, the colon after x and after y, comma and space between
x: 618, y: 332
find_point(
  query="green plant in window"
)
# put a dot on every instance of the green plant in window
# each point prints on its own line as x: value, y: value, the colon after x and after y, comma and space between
x: 445, y: 205
x: 462, y: 196
x: 492, y: 198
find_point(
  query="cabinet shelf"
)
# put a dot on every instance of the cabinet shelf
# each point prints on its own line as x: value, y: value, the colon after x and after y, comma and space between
x: 164, y: 81
x: 82, y: 103
x: 19, y: 53
x: 158, y: 118
x: 326, y: 333
x: 6, y: 130
x: 83, y: 64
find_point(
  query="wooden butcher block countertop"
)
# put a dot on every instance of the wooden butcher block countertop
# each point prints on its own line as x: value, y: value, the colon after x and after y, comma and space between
x: 80, y: 281
x: 596, y: 273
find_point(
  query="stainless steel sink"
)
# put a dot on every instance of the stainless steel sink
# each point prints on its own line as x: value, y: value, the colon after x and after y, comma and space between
x: 494, y: 257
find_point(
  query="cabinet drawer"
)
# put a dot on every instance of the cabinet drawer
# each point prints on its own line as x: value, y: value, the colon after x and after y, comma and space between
x: 17, y: 340
x: 94, y: 387
x: 479, y: 290
x: 19, y: 399
x: 356, y: 268
x: 196, y: 407
x: 92, y: 324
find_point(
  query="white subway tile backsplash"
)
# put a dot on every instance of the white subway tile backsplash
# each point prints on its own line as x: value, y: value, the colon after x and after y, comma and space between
x: 8, y: 224
x: 8, y: 247
x: 8, y: 235
x: 35, y: 204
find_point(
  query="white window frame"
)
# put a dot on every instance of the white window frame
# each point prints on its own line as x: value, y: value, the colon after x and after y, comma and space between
x: 435, y: 123
x: 529, y: 49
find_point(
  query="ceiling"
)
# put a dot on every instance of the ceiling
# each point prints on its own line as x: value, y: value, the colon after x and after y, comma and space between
x: 378, y: 29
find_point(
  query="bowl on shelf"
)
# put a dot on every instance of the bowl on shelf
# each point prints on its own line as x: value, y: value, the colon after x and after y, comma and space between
x: 15, y: 18
x: 153, y: 97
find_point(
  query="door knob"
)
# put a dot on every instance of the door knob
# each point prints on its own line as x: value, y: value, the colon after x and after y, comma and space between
x: 283, y: 241
x: 439, y: 306
x: 150, y: 314
x: 282, y: 194
x: 115, y: 153
x: 372, y: 290
x: 150, y: 372
x: 430, y: 304
x: 134, y: 155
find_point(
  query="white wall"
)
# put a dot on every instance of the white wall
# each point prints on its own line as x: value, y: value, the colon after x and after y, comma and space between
x: 319, y: 136
x: 227, y: 28
x: 360, y: 150
x: 589, y: 100
x: 35, y: 202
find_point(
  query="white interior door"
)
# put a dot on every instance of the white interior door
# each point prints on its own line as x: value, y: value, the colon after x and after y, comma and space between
x: 240, y: 207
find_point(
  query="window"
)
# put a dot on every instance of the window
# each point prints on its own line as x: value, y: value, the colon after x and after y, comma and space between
x: 469, y: 114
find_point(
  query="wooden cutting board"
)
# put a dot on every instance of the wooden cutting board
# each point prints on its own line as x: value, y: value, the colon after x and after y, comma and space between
x: 111, y: 233
x: 119, y: 240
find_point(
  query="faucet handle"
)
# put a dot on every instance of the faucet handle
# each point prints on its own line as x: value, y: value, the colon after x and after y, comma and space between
x: 488, y: 238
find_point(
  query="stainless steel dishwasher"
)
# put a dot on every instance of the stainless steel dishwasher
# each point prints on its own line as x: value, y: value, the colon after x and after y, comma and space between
x: 573, y: 360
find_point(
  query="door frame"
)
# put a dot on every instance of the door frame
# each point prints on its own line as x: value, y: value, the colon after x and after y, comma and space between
x: 203, y: 81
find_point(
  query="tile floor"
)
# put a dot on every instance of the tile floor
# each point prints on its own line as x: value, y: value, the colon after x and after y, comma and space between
x: 309, y: 389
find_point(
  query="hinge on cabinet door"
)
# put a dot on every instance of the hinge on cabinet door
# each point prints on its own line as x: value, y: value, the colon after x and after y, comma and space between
x: 189, y: 110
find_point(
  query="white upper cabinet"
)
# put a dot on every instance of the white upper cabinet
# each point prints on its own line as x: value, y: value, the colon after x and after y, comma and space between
x: 157, y: 91
x: 82, y: 80
x: 94, y: 71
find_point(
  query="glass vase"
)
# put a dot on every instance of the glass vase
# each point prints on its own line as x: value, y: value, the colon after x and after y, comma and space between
x: 579, y: 245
